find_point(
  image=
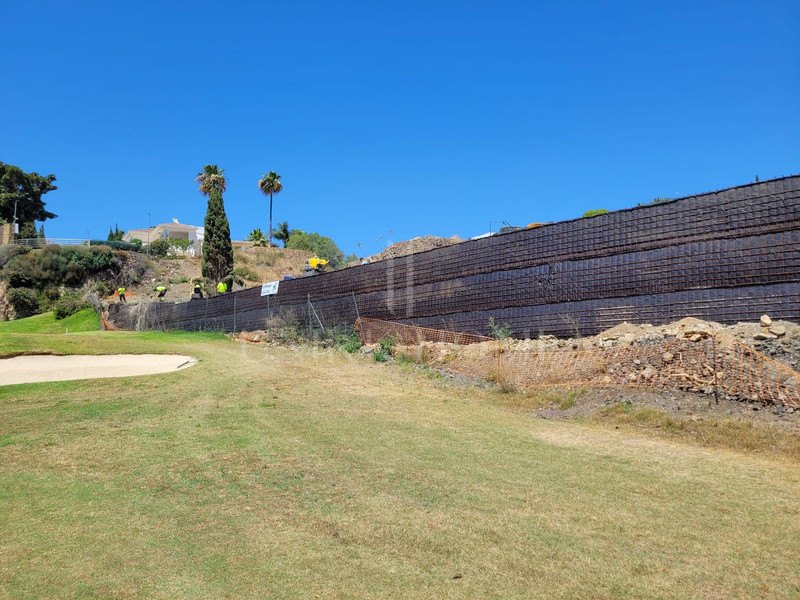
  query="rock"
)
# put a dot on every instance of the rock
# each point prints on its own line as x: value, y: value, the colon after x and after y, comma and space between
x: 765, y: 321
x: 778, y: 330
x: 367, y: 349
x: 667, y: 357
x: 649, y: 372
x: 695, y: 337
x: 765, y: 335
x: 632, y: 377
x: 636, y: 361
x: 695, y: 331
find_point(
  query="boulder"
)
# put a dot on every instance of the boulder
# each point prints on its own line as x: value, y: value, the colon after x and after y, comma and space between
x: 765, y: 321
x: 765, y: 335
x: 778, y: 330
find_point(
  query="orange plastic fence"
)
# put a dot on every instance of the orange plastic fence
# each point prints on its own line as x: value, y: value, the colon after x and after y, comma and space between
x: 374, y: 330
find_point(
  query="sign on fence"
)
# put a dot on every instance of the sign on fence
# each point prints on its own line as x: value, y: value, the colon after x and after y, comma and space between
x: 269, y: 289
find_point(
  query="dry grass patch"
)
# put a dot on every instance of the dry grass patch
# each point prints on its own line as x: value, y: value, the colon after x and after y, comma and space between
x: 255, y: 475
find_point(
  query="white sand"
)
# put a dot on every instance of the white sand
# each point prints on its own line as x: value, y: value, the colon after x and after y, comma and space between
x: 30, y: 369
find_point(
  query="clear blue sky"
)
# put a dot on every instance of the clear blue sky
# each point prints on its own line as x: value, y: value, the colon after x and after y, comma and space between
x: 389, y: 120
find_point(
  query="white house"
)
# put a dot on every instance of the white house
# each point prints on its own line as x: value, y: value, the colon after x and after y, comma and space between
x: 169, y: 231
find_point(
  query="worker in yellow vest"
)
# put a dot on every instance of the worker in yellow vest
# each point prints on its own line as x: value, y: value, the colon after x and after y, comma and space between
x: 121, y: 294
x: 162, y: 291
x: 222, y: 287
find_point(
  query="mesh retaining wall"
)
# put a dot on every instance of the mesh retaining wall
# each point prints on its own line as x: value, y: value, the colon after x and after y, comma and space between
x: 726, y: 256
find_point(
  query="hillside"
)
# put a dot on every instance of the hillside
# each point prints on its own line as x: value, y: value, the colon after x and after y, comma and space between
x: 253, y: 265
x: 57, y: 277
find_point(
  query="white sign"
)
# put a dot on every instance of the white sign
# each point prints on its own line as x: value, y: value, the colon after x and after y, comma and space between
x: 270, y: 289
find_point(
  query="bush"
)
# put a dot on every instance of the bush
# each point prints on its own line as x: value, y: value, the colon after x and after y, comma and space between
x: 9, y: 251
x: 499, y: 332
x: 24, y: 300
x: 118, y: 245
x: 245, y: 274
x: 159, y: 248
x: 352, y: 344
x: 284, y: 328
x: 56, y: 266
x: 595, y: 212
x: 69, y: 304
x: 384, y: 350
x: 323, y: 247
x: 178, y: 279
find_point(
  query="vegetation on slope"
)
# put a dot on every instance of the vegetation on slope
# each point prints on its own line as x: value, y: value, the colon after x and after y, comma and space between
x: 83, y: 320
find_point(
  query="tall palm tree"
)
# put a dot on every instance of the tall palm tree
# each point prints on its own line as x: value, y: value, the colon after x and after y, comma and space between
x: 211, y: 178
x: 270, y: 184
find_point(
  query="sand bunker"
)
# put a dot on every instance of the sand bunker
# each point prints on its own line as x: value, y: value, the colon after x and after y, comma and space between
x: 30, y: 369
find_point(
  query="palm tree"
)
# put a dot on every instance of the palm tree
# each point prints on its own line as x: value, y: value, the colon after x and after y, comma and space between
x: 282, y: 232
x: 257, y: 237
x: 270, y: 184
x: 211, y: 178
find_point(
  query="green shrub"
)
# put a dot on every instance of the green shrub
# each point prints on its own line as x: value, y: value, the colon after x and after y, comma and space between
x: 322, y: 246
x: 159, y: 248
x: 243, y: 273
x: 499, y: 332
x: 352, y: 344
x: 103, y: 288
x: 342, y: 337
x: 69, y: 304
x: 178, y: 279
x: 56, y: 266
x: 25, y: 301
x: 117, y: 245
x: 595, y: 212
x: 9, y: 251
x: 384, y: 350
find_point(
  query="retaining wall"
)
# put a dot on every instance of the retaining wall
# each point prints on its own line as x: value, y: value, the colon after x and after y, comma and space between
x: 726, y: 256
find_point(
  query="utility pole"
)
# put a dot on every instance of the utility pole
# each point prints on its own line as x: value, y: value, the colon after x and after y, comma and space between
x: 14, y: 227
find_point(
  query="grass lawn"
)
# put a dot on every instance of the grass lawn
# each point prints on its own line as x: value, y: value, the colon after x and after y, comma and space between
x: 84, y: 320
x: 290, y: 472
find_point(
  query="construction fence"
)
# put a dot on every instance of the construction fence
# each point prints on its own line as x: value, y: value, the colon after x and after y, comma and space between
x: 726, y: 256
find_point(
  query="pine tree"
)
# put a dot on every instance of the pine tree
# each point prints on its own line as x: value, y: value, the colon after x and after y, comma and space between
x: 41, y: 231
x: 217, y: 249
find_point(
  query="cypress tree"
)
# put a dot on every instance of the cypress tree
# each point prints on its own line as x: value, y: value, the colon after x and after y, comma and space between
x: 217, y: 262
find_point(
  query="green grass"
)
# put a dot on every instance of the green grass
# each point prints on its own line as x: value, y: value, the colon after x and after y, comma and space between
x: 295, y: 473
x: 84, y: 320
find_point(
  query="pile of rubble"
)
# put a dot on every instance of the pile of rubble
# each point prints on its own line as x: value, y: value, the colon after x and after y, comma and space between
x: 417, y: 244
x: 691, y: 354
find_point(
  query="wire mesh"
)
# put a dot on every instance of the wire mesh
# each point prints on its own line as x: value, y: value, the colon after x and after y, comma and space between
x: 726, y: 256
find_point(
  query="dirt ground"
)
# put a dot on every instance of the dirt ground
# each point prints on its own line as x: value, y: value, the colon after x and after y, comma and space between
x: 256, y: 264
x: 35, y: 369
x: 681, y: 405
x: 417, y: 244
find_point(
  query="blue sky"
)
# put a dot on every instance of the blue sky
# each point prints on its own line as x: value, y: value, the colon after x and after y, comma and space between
x: 392, y: 120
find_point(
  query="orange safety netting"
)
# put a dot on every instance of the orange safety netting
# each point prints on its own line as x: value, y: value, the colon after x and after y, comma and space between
x: 374, y: 330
